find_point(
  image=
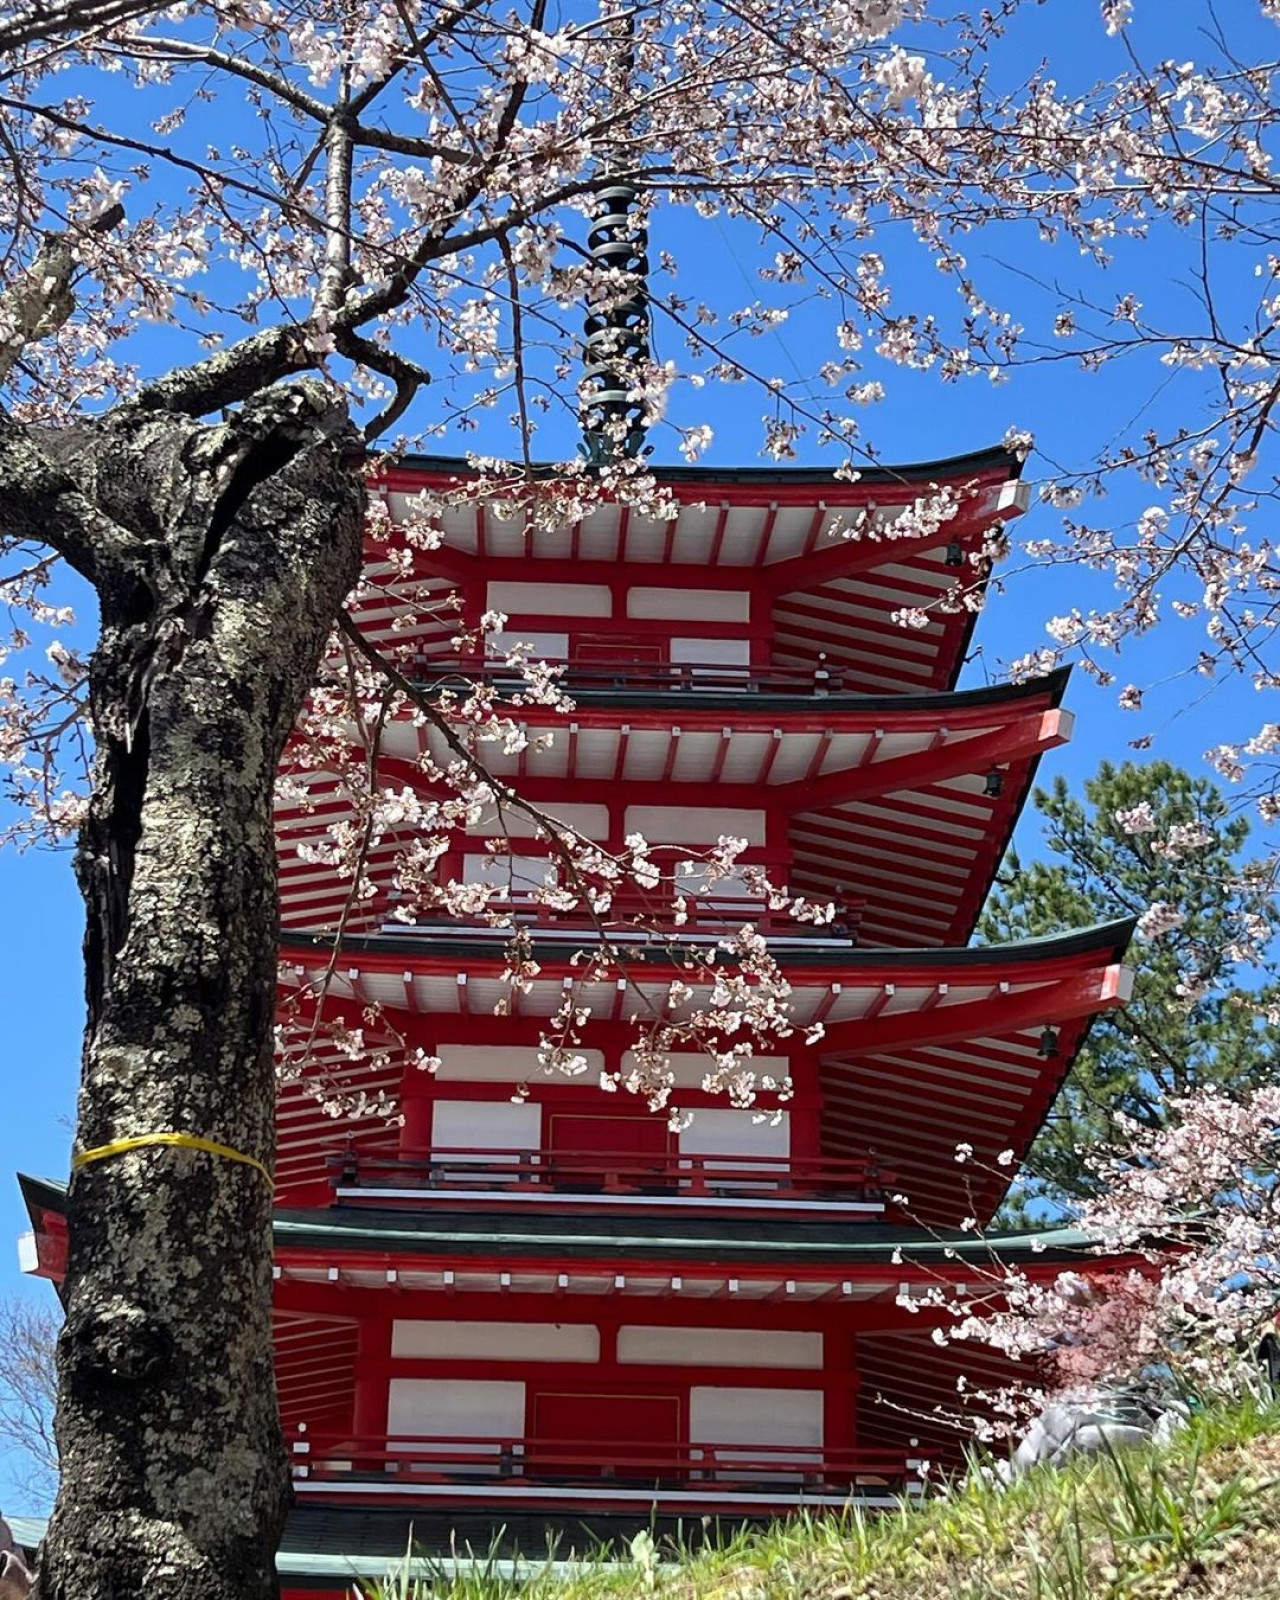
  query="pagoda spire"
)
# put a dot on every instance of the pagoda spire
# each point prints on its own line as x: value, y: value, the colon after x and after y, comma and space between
x: 616, y: 327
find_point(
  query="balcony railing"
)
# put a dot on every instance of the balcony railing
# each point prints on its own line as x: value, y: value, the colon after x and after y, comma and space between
x: 703, y: 914
x: 364, y: 1465
x: 545, y: 1173
x: 642, y: 677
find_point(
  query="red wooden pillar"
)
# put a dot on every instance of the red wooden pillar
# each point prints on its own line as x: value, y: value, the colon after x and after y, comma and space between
x: 763, y: 629
x: 372, y: 1386
x: 806, y: 1109
x: 417, y: 1097
x: 840, y: 1389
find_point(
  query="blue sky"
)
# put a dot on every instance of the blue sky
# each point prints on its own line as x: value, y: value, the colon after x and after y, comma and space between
x: 1073, y: 415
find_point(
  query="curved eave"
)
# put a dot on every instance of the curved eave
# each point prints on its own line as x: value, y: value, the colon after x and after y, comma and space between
x: 995, y: 458
x: 675, y: 703
x: 432, y: 1233
x: 921, y: 859
x: 366, y: 1228
x: 980, y: 879
x: 991, y: 1091
x: 439, y: 951
x: 927, y: 1089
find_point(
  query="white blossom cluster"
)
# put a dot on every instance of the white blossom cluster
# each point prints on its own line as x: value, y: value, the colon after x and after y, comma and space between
x: 1181, y: 1281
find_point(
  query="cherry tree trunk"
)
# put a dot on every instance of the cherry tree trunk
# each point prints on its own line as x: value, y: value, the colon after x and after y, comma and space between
x: 174, y: 1482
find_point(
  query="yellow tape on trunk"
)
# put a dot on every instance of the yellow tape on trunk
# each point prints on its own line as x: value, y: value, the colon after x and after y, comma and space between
x: 184, y: 1141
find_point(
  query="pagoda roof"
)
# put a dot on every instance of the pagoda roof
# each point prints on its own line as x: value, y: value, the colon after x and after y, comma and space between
x: 1102, y: 937
x: 920, y: 1049
x: 362, y: 1235
x: 886, y: 796
x: 992, y: 458
x: 790, y: 1242
x: 783, y: 533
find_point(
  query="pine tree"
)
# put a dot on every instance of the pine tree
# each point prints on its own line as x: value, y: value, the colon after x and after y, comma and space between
x: 1154, y: 842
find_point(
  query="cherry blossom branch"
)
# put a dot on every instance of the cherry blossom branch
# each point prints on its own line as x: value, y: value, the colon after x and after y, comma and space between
x: 338, y: 150
x: 373, y: 742
x: 39, y: 497
x: 757, y: 1005
x: 148, y: 46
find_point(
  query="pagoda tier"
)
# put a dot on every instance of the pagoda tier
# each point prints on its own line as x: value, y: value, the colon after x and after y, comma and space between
x: 768, y: 570
x: 605, y: 1363
x: 896, y: 808
x: 919, y: 1051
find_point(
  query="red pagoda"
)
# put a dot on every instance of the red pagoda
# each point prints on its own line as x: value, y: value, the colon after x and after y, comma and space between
x: 513, y: 1300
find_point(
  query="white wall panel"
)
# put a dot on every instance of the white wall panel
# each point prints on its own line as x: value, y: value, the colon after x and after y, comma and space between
x: 715, y: 605
x: 486, y: 1125
x: 511, y: 872
x: 537, y: 644
x: 496, y: 1341
x: 551, y: 599
x: 500, y: 1063
x: 707, y: 652
x: 689, y: 825
x: 721, y: 1347
x: 445, y: 1407
x: 690, y: 1067
x: 755, y: 1416
x: 591, y: 820
x: 733, y: 1133
x: 733, y: 886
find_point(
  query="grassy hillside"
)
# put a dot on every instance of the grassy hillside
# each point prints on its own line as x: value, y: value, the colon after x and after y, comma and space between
x: 1200, y: 1519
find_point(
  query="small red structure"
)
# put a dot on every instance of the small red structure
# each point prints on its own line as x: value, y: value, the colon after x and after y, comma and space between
x: 513, y: 1300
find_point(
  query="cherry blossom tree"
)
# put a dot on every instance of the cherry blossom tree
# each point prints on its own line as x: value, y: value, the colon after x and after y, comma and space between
x: 1181, y: 1283
x: 312, y: 230
x: 1174, y: 1290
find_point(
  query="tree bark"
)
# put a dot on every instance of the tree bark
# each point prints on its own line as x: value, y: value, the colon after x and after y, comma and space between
x: 174, y: 1477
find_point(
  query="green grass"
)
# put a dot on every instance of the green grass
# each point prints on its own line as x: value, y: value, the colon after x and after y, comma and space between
x: 1201, y: 1518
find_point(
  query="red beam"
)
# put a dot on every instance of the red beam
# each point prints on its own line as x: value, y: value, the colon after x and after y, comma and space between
x: 673, y: 750
x: 903, y: 1094
x: 722, y: 753
x: 1069, y: 998
x: 851, y: 556
x: 815, y: 766
x: 1027, y: 735
x: 889, y: 870
x: 717, y: 539
x: 840, y: 633
x: 772, y: 750
x: 814, y: 528
x: 766, y: 534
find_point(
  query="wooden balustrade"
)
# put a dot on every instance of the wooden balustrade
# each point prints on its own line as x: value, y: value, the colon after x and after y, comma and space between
x: 666, y: 1174
x: 365, y: 1459
x: 642, y: 676
x: 703, y: 913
